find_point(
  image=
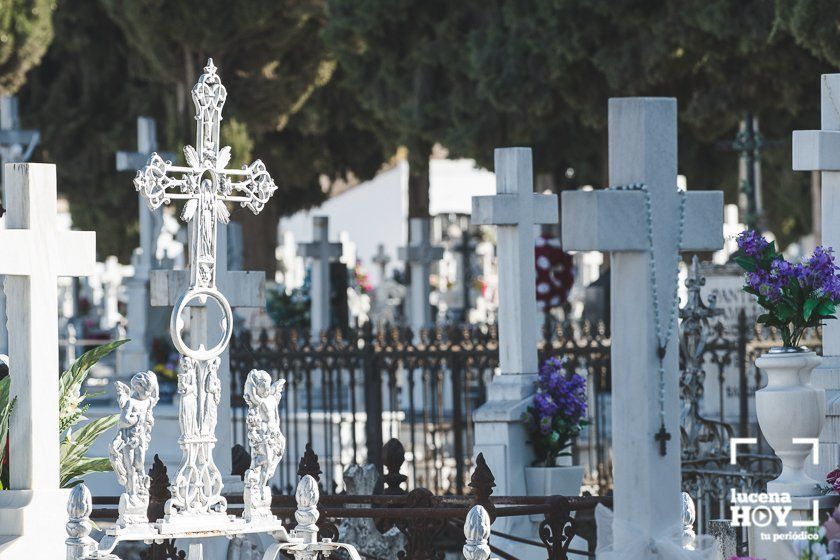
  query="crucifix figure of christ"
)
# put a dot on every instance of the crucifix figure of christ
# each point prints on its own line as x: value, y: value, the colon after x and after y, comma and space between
x: 206, y: 184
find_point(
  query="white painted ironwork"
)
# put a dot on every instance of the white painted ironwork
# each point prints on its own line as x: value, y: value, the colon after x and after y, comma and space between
x: 303, y: 542
x: 477, y: 534
x: 197, y: 509
x: 207, y: 185
x: 128, y: 450
x: 267, y: 442
x: 79, y: 507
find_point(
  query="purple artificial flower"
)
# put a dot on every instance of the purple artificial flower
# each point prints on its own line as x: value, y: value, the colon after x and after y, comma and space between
x: 766, y: 284
x: 819, y: 274
x: 751, y: 243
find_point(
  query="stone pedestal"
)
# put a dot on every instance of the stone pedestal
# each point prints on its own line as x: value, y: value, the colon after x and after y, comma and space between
x: 827, y: 376
x: 33, y: 521
x: 774, y: 542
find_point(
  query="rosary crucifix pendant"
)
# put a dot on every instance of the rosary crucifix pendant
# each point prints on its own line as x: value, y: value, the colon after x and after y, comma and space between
x: 663, y: 436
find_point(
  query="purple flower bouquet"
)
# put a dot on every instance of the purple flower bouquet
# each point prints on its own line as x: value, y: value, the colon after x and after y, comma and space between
x: 558, y: 413
x: 795, y: 296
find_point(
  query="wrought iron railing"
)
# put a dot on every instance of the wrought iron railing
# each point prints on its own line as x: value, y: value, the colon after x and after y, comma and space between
x: 425, y: 392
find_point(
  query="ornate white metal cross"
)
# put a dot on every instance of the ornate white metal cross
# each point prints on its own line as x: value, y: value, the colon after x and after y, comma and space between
x: 207, y: 185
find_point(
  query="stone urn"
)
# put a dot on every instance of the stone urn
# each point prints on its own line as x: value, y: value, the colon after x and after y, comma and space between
x: 788, y: 407
x: 563, y: 479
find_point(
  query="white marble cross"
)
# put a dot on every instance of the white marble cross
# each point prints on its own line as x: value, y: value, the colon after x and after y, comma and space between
x: 516, y: 210
x: 499, y: 432
x: 322, y: 252
x: 381, y: 259
x: 150, y: 222
x: 819, y: 150
x: 642, y: 149
x: 33, y: 254
x: 420, y: 254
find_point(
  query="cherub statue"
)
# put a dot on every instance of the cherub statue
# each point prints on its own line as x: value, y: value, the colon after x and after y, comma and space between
x: 267, y: 442
x: 128, y: 450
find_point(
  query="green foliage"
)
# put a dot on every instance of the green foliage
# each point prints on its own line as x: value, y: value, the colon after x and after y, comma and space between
x: 114, y: 60
x: 74, y: 444
x: 25, y: 33
x: 326, y: 91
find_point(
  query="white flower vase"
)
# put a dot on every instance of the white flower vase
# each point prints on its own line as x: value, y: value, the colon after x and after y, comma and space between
x: 789, y: 408
x: 563, y: 479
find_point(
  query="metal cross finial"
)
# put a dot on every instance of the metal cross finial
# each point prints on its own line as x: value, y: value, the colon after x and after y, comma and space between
x: 206, y: 184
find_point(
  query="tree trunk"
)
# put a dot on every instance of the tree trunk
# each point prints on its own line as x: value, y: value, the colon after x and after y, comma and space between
x: 418, y: 180
x: 259, y: 234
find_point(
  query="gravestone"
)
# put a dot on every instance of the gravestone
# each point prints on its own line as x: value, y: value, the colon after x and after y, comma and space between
x: 725, y: 284
x: 819, y: 150
x: 381, y: 260
x: 499, y: 432
x: 134, y: 355
x: 16, y: 145
x: 645, y: 407
x: 322, y: 253
x: 33, y: 254
x: 419, y: 255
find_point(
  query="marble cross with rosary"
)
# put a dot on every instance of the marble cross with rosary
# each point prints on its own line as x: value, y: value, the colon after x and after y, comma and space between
x: 207, y: 185
x: 644, y: 223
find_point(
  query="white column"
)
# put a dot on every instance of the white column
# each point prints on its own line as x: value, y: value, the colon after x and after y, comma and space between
x: 134, y: 355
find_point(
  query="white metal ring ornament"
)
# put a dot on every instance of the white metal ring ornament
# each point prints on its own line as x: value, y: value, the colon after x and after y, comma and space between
x: 176, y: 324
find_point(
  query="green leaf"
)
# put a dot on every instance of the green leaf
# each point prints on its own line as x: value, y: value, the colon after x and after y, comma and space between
x: 747, y: 263
x: 826, y: 308
x: 784, y: 312
x: 811, y: 304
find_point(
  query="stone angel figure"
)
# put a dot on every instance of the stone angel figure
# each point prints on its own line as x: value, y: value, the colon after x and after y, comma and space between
x: 267, y: 442
x: 127, y: 452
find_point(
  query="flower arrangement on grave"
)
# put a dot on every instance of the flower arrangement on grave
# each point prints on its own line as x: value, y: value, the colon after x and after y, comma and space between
x: 554, y: 273
x: 558, y: 412
x: 796, y: 296
x: 362, y: 280
x: 75, y: 444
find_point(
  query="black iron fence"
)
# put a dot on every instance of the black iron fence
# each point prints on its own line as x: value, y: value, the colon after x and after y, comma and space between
x: 422, y: 390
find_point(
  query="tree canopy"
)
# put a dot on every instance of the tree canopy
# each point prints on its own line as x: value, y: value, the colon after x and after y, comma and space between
x: 328, y: 90
x: 25, y: 33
